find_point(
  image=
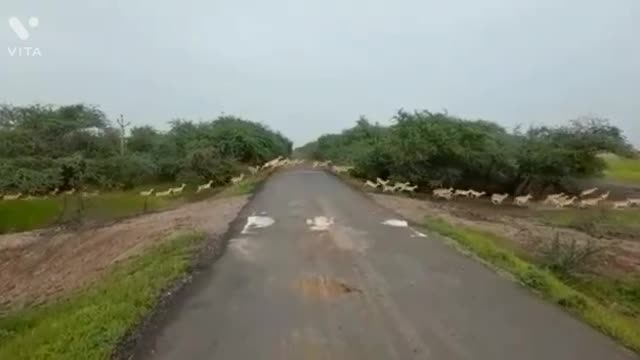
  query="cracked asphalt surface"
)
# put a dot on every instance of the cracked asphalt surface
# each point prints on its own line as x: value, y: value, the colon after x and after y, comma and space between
x: 328, y: 280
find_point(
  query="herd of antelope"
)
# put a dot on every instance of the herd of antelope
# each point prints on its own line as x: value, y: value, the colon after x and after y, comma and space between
x: 253, y: 170
x: 384, y: 185
x: 54, y: 193
x: 585, y: 199
x: 275, y: 163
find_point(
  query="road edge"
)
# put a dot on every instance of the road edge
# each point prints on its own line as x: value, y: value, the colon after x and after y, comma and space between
x: 139, y: 338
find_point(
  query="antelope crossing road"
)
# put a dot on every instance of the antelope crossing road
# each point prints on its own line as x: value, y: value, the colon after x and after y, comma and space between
x: 328, y: 279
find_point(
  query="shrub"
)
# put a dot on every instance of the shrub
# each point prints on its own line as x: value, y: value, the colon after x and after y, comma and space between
x: 46, y: 147
x: 424, y: 146
x: 567, y: 258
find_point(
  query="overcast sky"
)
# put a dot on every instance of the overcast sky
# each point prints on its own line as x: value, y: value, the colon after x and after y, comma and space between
x: 309, y: 67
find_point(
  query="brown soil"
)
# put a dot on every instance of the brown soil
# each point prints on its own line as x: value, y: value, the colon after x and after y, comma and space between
x: 39, y: 265
x: 520, y: 225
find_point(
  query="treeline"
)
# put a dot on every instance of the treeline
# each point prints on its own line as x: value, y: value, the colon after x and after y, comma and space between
x: 46, y: 147
x: 422, y: 147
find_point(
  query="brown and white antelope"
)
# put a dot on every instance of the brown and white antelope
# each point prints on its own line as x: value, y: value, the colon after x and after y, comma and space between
x: 86, y: 194
x: 446, y: 194
x: 164, y: 193
x: 178, y: 190
x: 464, y: 193
x: 237, y: 179
x: 12, y: 196
x: 387, y: 188
x: 147, y: 193
x: 410, y: 188
x: 551, y: 199
x: 564, y: 202
x: 371, y: 184
x: 620, y: 204
x: 588, y: 192
x: 584, y: 203
x: 522, y: 200
x: 475, y: 194
x: 205, y: 186
x: 497, y: 199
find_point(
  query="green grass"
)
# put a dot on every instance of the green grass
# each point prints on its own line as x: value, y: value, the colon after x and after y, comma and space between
x: 18, y: 215
x: 564, y: 292
x: 622, y: 169
x: 620, y: 294
x: 88, y: 324
x: 23, y: 215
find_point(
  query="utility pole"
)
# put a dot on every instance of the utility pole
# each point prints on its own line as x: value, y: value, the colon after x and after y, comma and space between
x: 123, y: 129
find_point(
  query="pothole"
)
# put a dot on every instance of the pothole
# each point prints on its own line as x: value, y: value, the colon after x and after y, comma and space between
x: 321, y: 287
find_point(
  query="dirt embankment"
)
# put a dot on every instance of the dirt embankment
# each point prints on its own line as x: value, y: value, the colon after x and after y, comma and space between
x: 527, y: 232
x: 39, y: 265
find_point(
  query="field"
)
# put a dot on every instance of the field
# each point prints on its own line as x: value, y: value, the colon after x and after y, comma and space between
x: 24, y: 215
x: 622, y: 169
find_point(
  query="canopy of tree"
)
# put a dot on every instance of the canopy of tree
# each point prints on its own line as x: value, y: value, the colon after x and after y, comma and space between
x: 45, y: 147
x: 423, y: 146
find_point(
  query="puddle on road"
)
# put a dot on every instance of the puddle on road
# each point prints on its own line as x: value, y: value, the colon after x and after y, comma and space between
x: 256, y: 222
x: 321, y: 287
x: 395, y: 223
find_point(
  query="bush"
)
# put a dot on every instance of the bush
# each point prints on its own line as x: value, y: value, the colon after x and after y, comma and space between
x: 568, y: 258
x: 205, y: 165
x: 422, y: 147
x: 46, y: 147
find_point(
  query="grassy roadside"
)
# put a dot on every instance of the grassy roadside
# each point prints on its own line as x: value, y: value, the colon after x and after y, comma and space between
x: 89, y: 323
x: 576, y: 297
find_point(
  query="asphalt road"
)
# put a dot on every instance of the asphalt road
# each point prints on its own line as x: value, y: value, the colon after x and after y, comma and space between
x: 357, y: 289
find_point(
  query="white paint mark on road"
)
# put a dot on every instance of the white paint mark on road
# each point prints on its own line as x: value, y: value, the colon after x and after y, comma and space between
x: 417, y: 233
x: 257, y: 222
x: 320, y: 223
x: 395, y: 223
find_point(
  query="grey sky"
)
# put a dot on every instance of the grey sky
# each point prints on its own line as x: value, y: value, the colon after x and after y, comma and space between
x: 311, y: 67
